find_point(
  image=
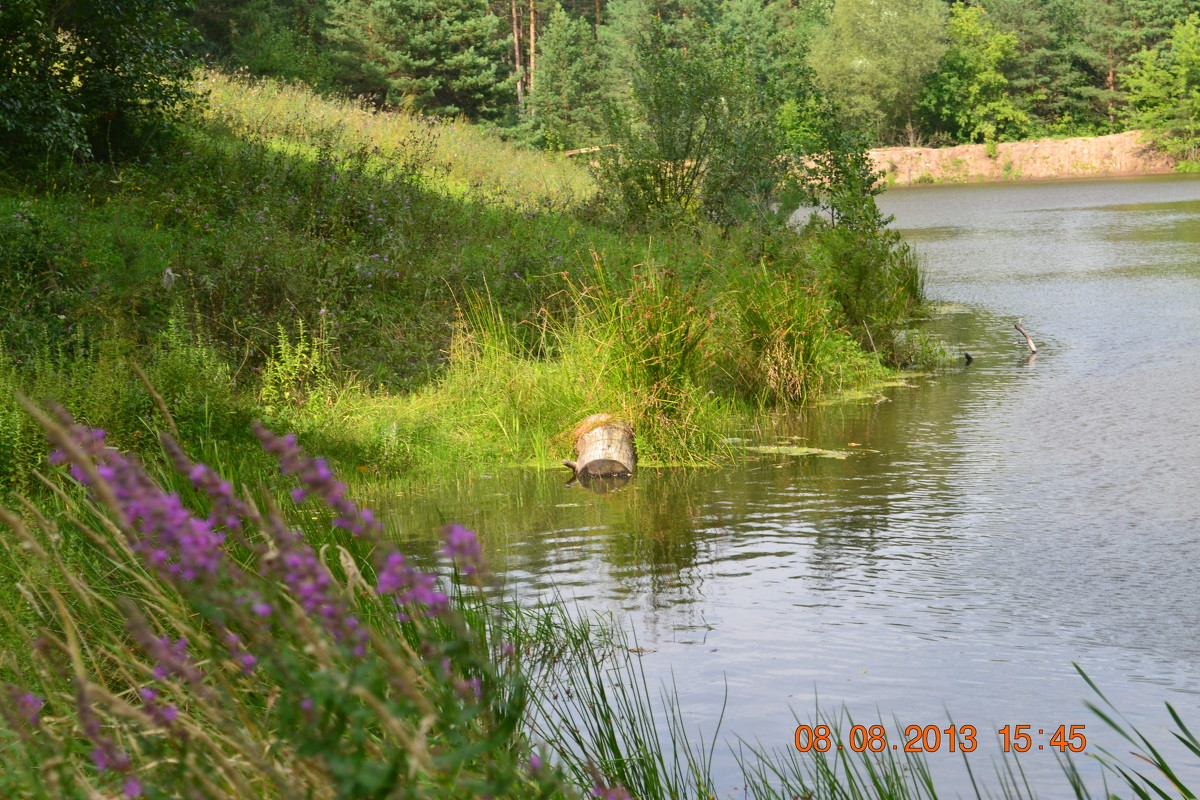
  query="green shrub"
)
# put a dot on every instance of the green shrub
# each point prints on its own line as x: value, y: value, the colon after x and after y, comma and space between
x: 873, y: 278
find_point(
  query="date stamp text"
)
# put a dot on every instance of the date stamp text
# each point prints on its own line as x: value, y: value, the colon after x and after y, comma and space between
x: 932, y: 739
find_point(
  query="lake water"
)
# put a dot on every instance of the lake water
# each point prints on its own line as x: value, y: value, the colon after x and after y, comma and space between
x: 991, y: 525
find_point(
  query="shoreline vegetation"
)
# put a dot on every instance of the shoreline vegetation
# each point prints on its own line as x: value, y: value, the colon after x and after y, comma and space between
x: 1115, y: 155
x: 412, y: 296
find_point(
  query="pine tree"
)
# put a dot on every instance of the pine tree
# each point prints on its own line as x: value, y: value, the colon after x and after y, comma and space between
x: 569, y: 90
x: 1058, y: 72
x: 446, y: 57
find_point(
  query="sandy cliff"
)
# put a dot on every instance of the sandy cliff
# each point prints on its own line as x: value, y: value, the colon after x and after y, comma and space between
x: 1043, y: 159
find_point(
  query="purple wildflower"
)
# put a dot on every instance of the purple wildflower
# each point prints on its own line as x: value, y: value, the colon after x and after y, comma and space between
x: 163, y: 714
x: 407, y: 585
x: 227, y: 509
x: 171, y: 659
x: 469, y: 689
x: 614, y: 793
x: 308, y: 579
x: 24, y: 709
x: 318, y: 479
x: 173, y: 542
x: 463, y: 546
x: 238, y: 652
x: 105, y: 753
x: 133, y: 787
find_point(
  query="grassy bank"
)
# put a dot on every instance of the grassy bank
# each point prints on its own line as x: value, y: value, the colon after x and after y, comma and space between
x: 408, y: 295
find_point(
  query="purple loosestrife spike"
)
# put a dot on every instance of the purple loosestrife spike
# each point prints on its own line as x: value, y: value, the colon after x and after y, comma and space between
x: 170, y: 658
x: 174, y: 543
x: 227, y: 510
x: 407, y: 586
x: 164, y: 715
x: 105, y: 753
x: 23, y: 709
x: 238, y: 652
x: 463, y: 546
x: 309, y: 581
x: 318, y: 479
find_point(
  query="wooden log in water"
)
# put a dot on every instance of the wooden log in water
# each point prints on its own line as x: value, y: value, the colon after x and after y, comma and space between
x: 603, y: 446
x: 1028, y: 338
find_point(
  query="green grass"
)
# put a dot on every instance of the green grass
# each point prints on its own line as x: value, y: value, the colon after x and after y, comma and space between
x: 412, y: 296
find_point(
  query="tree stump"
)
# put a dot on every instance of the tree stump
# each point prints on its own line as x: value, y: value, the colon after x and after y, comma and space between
x: 603, y: 447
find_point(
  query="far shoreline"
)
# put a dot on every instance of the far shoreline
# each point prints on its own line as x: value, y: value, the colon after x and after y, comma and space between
x: 1117, y: 155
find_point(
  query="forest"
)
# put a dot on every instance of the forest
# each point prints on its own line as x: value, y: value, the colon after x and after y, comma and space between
x: 912, y: 72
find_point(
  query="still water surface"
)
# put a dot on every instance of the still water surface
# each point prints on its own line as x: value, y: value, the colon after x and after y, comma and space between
x: 990, y: 526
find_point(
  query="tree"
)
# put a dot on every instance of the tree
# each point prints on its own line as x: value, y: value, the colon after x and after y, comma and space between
x: 696, y: 136
x: 90, y: 77
x: 1058, y: 74
x: 876, y: 54
x: 831, y: 170
x: 1164, y: 92
x: 446, y: 57
x: 775, y: 36
x: 967, y: 97
x: 568, y: 98
x: 680, y: 24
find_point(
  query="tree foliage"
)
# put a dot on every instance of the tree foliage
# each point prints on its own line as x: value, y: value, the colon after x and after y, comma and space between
x: 967, y: 97
x: 876, y: 55
x: 90, y: 77
x: 830, y: 168
x: 1164, y: 91
x: 696, y: 136
x: 1059, y: 71
x: 444, y: 56
x: 569, y: 93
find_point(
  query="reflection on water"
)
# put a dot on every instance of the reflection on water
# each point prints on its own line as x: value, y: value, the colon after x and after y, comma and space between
x: 987, y: 528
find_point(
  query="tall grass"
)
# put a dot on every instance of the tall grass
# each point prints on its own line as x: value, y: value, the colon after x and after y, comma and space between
x: 461, y: 158
x: 613, y: 723
x: 157, y: 649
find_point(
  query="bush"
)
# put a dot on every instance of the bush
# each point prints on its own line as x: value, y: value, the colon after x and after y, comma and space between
x: 92, y: 78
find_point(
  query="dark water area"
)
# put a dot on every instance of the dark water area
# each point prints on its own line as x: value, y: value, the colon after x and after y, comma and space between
x: 986, y: 527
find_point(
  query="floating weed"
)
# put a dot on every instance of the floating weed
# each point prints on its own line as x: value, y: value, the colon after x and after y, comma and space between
x: 796, y: 450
